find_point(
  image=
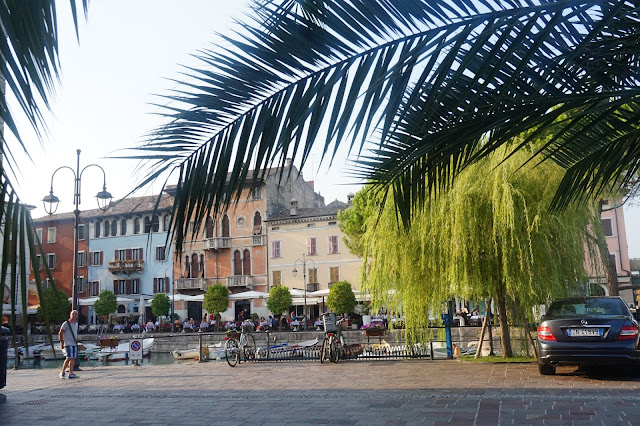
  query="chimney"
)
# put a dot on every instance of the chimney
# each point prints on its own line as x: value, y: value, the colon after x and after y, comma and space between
x: 287, y: 162
x: 293, y: 210
x: 350, y: 198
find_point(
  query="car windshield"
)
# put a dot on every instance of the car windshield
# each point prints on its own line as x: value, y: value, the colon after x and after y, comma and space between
x: 587, y: 306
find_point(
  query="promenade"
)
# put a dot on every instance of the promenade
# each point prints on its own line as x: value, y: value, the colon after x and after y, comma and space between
x: 347, y: 393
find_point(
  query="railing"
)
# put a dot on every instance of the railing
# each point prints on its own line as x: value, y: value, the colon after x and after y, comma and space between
x: 126, y: 266
x: 218, y: 243
x: 313, y: 286
x: 240, y: 281
x: 258, y: 240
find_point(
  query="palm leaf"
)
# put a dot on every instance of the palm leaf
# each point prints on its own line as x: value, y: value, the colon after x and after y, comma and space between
x: 423, y: 82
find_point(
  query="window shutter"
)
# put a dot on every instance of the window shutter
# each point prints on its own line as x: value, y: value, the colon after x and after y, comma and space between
x: 115, y: 287
x: 155, y: 285
x: 140, y: 257
x: 101, y: 258
x: 90, y: 258
x: 115, y: 255
x: 128, y: 286
x: 128, y: 254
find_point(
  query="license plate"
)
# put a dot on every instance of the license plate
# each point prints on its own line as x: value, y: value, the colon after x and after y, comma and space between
x: 585, y: 332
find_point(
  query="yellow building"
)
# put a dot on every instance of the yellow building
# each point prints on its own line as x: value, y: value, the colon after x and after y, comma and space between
x: 309, y: 241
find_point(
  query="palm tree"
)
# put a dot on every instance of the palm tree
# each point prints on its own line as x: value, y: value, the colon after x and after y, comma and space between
x: 417, y: 89
x: 29, y: 69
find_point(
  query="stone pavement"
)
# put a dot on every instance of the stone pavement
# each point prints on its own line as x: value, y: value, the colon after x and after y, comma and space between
x: 347, y: 393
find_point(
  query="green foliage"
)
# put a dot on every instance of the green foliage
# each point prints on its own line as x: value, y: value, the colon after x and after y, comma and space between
x: 279, y: 300
x: 341, y: 298
x: 160, y: 305
x: 57, y: 304
x: 488, y: 237
x: 352, y: 220
x: 216, y: 299
x: 106, y: 303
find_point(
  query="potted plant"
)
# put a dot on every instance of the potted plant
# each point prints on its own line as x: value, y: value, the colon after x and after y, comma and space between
x: 374, y: 329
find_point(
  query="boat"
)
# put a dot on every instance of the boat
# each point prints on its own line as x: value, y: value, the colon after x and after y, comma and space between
x: 212, y: 352
x: 286, y: 350
x: 34, y: 351
x: 86, y: 350
x: 121, y: 352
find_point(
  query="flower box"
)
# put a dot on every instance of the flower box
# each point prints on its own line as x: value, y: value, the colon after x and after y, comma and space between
x: 109, y: 342
x: 374, y: 331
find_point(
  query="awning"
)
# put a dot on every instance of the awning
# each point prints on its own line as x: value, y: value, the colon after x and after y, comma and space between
x: 299, y: 301
x: 187, y: 298
x: 6, y: 309
x: 249, y: 295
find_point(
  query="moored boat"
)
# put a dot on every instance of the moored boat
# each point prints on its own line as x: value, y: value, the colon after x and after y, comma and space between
x: 121, y: 352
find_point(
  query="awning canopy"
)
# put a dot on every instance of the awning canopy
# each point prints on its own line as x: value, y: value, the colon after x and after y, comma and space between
x: 249, y: 295
x: 299, y: 301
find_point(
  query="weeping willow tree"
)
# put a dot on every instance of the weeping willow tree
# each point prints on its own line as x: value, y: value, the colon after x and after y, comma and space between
x: 491, y: 235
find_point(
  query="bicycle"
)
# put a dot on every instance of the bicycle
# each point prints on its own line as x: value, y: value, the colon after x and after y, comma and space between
x: 333, y: 342
x: 243, y: 349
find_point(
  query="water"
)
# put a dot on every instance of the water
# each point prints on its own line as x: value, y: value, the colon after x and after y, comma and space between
x: 156, y: 358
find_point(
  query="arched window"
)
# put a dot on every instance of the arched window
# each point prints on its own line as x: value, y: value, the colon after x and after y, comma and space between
x: 202, y: 265
x: 257, y: 220
x: 136, y: 225
x: 114, y: 228
x: 186, y: 266
x: 208, y: 228
x: 155, y: 223
x: 123, y: 227
x: 96, y: 231
x: 237, y: 263
x: 195, y: 270
x: 166, y: 222
x: 147, y: 224
x: 246, y: 262
x: 107, y: 228
x: 225, y: 226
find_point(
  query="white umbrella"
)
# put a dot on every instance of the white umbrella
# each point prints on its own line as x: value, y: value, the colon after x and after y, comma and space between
x: 249, y: 295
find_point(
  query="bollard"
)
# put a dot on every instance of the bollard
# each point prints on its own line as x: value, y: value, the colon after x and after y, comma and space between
x: 200, y: 357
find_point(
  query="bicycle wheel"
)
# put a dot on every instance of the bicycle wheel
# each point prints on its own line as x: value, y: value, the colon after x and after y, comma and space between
x: 333, y: 349
x: 263, y: 353
x: 249, y: 348
x: 324, y: 351
x: 231, y: 352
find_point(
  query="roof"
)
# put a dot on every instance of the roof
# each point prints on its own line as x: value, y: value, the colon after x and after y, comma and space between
x: 126, y: 206
x: 313, y: 212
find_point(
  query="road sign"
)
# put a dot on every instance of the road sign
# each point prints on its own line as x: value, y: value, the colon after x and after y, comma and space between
x: 135, y: 349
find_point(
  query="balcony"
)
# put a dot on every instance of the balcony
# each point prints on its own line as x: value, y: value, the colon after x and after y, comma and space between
x: 126, y: 266
x: 258, y: 240
x: 313, y: 286
x: 218, y: 243
x: 240, y: 281
x: 194, y: 283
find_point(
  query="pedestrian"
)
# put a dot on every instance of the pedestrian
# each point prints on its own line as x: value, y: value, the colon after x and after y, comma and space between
x: 69, y: 343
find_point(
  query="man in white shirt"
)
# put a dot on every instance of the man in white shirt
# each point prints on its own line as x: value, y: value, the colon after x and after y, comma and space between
x: 69, y: 343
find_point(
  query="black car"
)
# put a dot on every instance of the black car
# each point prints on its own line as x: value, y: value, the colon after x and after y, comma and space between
x: 586, y: 331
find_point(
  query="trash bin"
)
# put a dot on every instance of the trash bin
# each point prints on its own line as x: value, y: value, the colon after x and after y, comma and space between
x: 4, y: 347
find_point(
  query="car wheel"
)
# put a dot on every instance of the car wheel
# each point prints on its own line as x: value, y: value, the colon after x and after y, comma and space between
x: 546, y: 369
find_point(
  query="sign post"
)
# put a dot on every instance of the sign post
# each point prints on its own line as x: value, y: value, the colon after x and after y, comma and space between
x: 135, y: 350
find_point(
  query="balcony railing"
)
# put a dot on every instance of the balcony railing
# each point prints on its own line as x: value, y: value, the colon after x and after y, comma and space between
x: 218, y: 243
x: 258, y: 240
x: 194, y: 283
x: 240, y: 281
x: 313, y: 286
x: 126, y: 266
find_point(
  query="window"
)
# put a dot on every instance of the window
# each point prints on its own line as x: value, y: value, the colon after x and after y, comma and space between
x: 166, y: 222
x: 333, y: 244
x: 81, y: 259
x: 225, y: 226
x: 94, y: 288
x: 135, y: 286
x: 136, y: 225
x: 277, y: 278
x: 51, y: 260
x: 107, y: 228
x: 237, y: 263
x: 123, y: 227
x: 246, y: 262
x: 607, y: 224
x: 136, y: 254
x: 51, y: 235
x: 122, y: 286
x: 121, y: 255
x: 311, y: 225
x: 96, y: 229
x: 38, y: 262
x: 275, y: 228
x: 160, y: 285
x: 313, y: 275
x: 114, y: 228
x: 192, y: 226
x: 333, y: 223
x: 82, y: 283
x: 334, y: 274
x: 39, y: 236
x: 257, y: 193
x: 275, y: 249
x: 312, y: 247
x: 161, y: 253
x: 155, y: 223
x: 82, y: 232
x: 95, y: 258
x: 208, y: 227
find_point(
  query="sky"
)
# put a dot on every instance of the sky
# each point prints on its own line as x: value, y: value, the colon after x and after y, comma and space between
x: 127, y: 55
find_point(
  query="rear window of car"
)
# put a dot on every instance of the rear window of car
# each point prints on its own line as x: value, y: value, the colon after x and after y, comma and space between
x: 582, y: 306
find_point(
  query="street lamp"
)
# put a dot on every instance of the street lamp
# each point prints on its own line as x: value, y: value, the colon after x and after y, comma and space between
x: 173, y: 297
x: 303, y: 263
x: 51, y: 205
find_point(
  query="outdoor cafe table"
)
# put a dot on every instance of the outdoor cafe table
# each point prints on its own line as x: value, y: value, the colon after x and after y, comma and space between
x: 119, y: 327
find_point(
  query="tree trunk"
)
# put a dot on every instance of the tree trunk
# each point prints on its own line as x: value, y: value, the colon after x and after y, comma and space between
x: 484, y: 329
x: 504, y: 326
x: 489, y: 329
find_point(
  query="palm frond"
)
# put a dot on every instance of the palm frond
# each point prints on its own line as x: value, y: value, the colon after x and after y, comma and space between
x: 425, y: 81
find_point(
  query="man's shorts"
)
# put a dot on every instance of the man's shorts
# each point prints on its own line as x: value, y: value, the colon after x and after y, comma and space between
x: 71, y: 351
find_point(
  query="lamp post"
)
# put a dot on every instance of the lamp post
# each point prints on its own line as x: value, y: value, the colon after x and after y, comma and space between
x: 303, y: 262
x: 173, y: 297
x: 51, y: 205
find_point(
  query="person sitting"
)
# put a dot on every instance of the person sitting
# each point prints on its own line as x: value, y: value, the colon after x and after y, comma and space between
x: 204, y: 324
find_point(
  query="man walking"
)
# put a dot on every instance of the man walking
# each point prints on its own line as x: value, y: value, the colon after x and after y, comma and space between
x: 69, y: 343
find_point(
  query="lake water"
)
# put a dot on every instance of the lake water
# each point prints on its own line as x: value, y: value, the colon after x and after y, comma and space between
x: 158, y: 358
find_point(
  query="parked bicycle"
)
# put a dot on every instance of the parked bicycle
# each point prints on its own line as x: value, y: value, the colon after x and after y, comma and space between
x: 333, y: 343
x: 242, y: 349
